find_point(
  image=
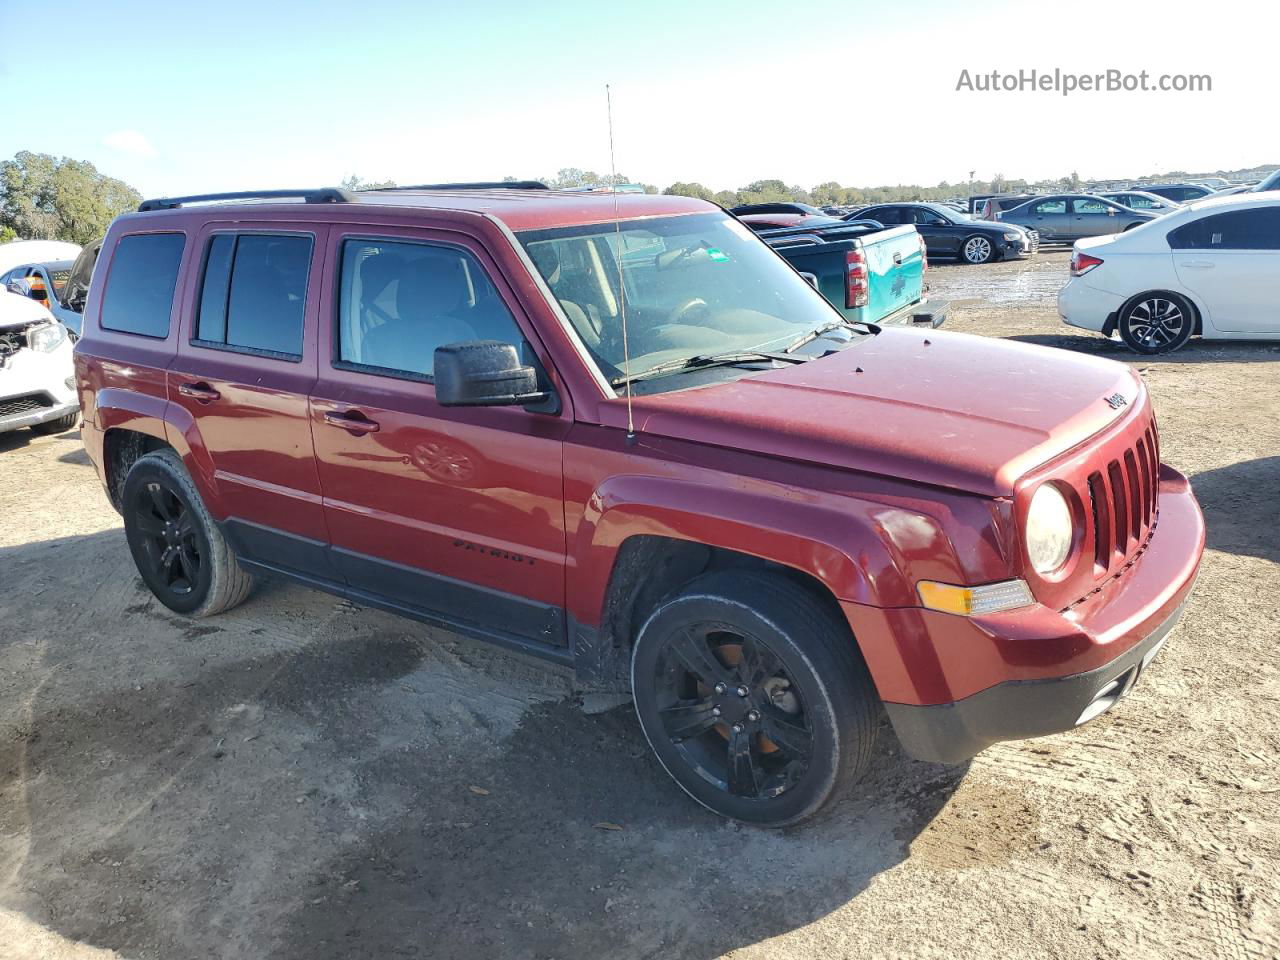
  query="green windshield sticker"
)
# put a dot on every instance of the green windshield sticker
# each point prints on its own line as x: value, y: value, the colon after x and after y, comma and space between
x: 718, y: 255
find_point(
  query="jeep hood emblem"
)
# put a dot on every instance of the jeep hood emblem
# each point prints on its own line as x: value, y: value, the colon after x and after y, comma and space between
x: 1116, y: 401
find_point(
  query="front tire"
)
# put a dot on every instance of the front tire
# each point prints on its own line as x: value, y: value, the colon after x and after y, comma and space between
x: 61, y: 425
x: 1156, y: 322
x: 178, y: 549
x: 977, y: 249
x: 754, y: 697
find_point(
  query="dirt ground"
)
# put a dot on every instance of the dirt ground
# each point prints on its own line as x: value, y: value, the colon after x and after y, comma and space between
x: 304, y: 779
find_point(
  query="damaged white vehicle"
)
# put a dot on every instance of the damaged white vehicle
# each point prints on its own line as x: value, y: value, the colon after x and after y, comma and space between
x: 37, y: 379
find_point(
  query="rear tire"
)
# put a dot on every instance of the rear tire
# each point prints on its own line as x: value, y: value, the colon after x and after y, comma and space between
x: 61, y: 425
x: 754, y: 697
x: 1156, y: 322
x: 178, y: 549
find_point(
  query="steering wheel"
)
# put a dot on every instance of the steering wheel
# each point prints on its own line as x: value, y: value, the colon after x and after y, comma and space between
x: 687, y: 307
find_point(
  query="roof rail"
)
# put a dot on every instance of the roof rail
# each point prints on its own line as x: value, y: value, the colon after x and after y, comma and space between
x: 477, y: 185
x: 319, y: 195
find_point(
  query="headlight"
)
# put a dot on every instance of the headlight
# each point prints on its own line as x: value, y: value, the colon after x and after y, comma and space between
x: 1049, y: 529
x: 47, y: 338
x: 1013, y: 236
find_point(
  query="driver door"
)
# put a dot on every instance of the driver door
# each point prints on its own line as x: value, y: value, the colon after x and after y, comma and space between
x: 448, y: 513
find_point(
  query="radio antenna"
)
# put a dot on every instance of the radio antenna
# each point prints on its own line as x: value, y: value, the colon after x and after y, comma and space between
x: 617, y: 263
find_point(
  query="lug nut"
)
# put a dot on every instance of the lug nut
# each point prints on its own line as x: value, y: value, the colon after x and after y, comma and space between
x: 743, y: 691
x: 721, y: 688
x: 737, y: 728
x: 715, y: 711
x: 753, y: 716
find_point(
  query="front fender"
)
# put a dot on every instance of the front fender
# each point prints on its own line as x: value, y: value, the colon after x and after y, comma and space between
x: 830, y: 539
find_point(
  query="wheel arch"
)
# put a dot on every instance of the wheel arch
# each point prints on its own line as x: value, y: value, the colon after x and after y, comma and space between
x: 134, y: 424
x: 643, y: 538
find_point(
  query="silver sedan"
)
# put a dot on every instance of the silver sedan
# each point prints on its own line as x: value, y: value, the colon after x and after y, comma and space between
x: 1067, y: 217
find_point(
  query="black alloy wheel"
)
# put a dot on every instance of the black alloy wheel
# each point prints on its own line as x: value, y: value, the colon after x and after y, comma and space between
x: 168, y: 540
x: 753, y: 695
x: 728, y: 706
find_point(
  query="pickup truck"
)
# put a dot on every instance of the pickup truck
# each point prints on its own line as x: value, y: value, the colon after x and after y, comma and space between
x: 869, y: 273
x: 617, y: 432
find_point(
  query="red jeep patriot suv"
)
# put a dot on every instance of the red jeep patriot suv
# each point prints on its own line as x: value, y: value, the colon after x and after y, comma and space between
x: 621, y: 433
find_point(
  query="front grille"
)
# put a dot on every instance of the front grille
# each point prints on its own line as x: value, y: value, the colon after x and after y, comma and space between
x: 1122, y: 500
x: 27, y: 403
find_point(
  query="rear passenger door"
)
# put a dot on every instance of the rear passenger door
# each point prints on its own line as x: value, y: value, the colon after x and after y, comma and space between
x: 455, y: 514
x: 246, y: 362
x: 1050, y: 218
x: 1091, y: 217
x: 1231, y: 261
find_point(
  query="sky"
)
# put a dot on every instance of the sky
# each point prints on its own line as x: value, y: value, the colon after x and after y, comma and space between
x: 184, y: 98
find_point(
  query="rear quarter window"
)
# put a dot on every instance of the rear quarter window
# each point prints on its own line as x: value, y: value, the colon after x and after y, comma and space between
x: 140, y: 284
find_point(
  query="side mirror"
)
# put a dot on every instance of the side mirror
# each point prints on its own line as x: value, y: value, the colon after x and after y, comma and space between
x: 484, y: 373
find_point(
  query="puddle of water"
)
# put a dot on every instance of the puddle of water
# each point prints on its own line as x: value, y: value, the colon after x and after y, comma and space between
x: 1037, y: 285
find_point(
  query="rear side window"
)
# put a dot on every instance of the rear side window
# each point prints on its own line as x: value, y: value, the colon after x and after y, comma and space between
x: 1256, y: 229
x: 399, y: 301
x: 254, y: 293
x: 140, y: 285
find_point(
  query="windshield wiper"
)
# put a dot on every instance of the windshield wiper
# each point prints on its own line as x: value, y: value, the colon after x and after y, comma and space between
x: 826, y: 328
x: 703, y: 360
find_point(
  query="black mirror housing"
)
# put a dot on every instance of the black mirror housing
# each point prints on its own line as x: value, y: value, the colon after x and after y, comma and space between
x: 484, y: 373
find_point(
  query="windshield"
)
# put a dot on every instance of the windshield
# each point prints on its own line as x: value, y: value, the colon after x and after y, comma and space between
x: 691, y: 286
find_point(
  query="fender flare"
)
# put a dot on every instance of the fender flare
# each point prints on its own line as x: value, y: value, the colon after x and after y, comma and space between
x: 840, y: 548
x: 117, y: 409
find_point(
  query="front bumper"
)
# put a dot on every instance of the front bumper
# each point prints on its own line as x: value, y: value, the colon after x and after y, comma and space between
x: 31, y: 411
x: 1020, y: 709
x: 1015, y: 249
x: 36, y: 387
x: 953, y: 685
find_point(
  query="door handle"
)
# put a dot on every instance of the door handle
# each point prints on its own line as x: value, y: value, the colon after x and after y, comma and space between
x: 353, y: 421
x: 897, y: 258
x: 198, y: 391
x: 1198, y: 264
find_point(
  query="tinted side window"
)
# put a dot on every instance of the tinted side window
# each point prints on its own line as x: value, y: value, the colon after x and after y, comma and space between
x: 1089, y: 205
x: 1238, y: 230
x: 140, y: 284
x: 1050, y: 207
x: 399, y: 301
x: 254, y: 293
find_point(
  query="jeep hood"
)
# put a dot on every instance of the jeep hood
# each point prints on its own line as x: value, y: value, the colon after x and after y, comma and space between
x: 953, y: 410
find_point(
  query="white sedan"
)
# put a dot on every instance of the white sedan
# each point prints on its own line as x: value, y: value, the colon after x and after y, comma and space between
x: 1211, y: 268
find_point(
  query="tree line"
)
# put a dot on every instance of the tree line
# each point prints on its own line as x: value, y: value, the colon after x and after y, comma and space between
x: 43, y: 197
